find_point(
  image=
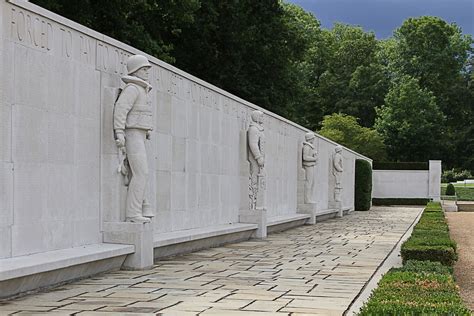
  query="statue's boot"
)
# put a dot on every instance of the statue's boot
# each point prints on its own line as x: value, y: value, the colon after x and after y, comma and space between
x: 148, y: 211
x: 138, y: 219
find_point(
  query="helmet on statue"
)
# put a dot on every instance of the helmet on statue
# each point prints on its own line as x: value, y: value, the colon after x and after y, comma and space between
x: 136, y: 62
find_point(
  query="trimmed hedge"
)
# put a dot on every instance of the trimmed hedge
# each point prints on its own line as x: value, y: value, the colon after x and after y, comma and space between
x: 363, y: 185
x: 399, y: 201
x: 424, y: 286
x: 430, y: 239
x: 400, y: 165
x: 450, y: 190
x: 424, y: 267
x: 419, y: 288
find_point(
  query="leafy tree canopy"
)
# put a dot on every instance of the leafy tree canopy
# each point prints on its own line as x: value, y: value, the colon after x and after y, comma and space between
x: 344, y: 129
x: 410, y: 122
x: 149, y: 25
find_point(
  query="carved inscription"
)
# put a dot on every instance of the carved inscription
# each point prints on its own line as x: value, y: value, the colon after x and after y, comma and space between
x: 204, y: 96
x: 86, y: 49
x: 31, y: 30
x: 111, y: 59
x: 66, y: 43
x: 170, y: 82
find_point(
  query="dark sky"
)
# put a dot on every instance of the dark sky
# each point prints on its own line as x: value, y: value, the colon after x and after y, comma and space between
x: 384, y: 16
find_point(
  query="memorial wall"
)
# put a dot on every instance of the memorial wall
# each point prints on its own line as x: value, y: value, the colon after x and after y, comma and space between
x: 59, y: 185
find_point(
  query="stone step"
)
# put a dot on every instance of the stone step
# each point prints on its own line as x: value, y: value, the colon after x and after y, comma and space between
x: 465, y: 206
x: 24, y: 273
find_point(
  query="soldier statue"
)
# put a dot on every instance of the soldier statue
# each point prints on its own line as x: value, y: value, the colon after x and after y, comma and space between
x: 337, y: 171
x: 309, y: 162
x: 133, y: 123
x: 256, y: 159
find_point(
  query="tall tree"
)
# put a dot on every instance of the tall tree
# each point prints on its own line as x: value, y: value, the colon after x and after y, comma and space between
x: 410, y: 122
x: 149, y: 25
x: 436, y: 53
x: 303, y: 107
x: 354, y: 81
x: 245, y: 47
x: 344, y: 129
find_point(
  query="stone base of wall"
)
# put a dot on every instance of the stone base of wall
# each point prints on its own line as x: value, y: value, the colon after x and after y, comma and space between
x: 21, y: 275
x: 286, y: 222
x: 182, y: 242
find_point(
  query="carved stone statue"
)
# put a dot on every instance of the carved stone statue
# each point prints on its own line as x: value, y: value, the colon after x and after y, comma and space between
x: 337, y: 171
x: 256, y: 157
x: 133, y: 123
x: 309, y: 162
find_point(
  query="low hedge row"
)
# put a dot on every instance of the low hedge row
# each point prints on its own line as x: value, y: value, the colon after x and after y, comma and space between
x: 382, y: 165
x: 400, y: 201
x: 430, y: 239
x: 419, y: 288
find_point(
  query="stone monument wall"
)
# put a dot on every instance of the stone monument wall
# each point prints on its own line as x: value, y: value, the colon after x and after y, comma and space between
x: 58, y: 160
x: 408, y: 183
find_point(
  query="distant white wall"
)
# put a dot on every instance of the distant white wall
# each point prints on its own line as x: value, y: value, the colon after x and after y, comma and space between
x: 408, y: 183
x: 58, y: 159
x: 400, y: 183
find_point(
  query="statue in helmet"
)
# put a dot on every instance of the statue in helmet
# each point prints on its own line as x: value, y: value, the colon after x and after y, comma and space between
x: 133, y: 123
x: 256, y: 158
x: 309, y: 162
x: 337, y: 172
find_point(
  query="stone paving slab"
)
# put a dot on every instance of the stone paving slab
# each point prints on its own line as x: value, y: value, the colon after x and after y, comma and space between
x: 309, y: 270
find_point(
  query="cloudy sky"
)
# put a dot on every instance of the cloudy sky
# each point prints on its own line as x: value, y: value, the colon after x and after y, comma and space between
x: 384, y: 16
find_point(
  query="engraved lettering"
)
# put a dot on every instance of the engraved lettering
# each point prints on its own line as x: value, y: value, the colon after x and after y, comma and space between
x: 37, y: 33
x: 66, y: 47
x: 102, y: 56
x: 21, y: 26
x: 14, y: 25
x: 116, y: 58
x: 29, y: 31
x: 49, y: 36
x: 85, y: 49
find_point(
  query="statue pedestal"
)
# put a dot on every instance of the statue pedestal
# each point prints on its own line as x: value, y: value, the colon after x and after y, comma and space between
x: 137, y: 234
x: 261, y: 185
x: 257, y: 216
x: 337, y: 205
x: 310, y: 209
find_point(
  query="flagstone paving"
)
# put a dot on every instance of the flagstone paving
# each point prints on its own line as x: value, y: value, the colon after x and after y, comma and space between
x: 309, y: 270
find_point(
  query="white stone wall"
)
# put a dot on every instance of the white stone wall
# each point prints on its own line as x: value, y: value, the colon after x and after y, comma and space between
x: 400, y: 183
x: 408, y: 183
x: 58, y: 160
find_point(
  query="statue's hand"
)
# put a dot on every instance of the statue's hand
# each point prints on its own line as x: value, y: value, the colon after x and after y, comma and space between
x: 120, y: 141
x: 148, y: 134
x: 260, y: 161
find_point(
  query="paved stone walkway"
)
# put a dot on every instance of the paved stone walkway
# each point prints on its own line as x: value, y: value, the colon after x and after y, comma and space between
x: 310, y: 270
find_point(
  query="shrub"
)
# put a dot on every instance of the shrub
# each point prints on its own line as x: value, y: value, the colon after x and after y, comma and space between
x: 441, y: 253
x: 424, y: 267
x: 454, y: 175
x: 450, y: 190
x: 430, y: 239
x: 419, y: 288
x: 424, y: 286
x: 399, y: 201
x: 463, y: 193
x: 379, y: 165
x: 363, y: 185
x: 447, y: 176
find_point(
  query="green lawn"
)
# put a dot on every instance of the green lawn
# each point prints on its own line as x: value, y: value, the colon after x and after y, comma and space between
x: 464, y: 193
x: 469, y: 185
